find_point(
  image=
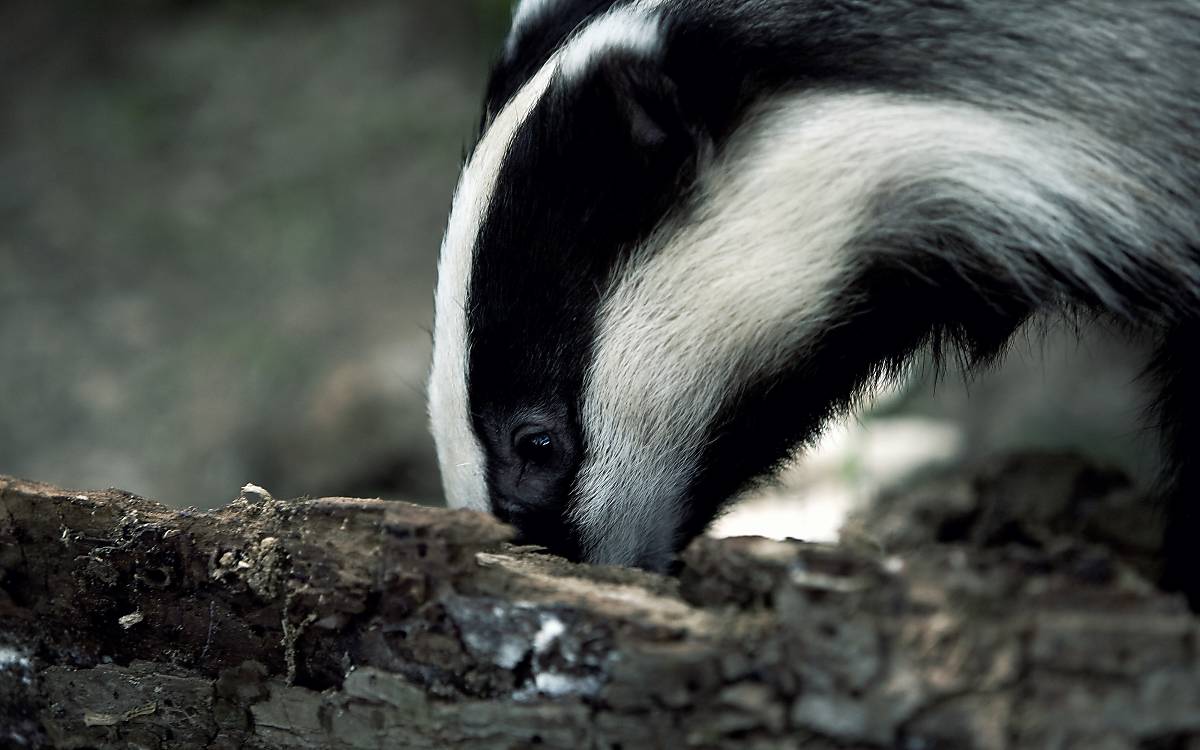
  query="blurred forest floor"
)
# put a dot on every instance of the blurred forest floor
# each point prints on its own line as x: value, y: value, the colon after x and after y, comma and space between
x: 219, y: 225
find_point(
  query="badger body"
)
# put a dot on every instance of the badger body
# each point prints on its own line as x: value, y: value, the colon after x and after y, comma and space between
x: 692, y: 231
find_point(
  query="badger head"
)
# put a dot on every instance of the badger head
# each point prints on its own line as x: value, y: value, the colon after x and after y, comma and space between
x: 647, y: 294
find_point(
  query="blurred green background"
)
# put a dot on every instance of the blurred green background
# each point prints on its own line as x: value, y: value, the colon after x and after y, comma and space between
x: 219, y: 224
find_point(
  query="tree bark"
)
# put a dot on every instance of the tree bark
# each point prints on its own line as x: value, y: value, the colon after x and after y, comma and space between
x: 339, y: 623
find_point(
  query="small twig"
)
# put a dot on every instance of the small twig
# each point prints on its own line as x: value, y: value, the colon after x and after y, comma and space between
x: 291, y: 635
x: 212, y: 627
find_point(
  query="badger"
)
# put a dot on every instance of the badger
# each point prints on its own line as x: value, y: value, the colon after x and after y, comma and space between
x: 691, y: 232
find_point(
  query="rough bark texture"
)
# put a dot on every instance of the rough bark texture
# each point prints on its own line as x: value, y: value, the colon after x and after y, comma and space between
x: 969, y: 613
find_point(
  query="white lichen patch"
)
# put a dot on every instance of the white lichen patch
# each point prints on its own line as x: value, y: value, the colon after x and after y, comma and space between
x: 262, y: 565
x: 11, y: 658
x: 551, y: 629
x: 254, y: 494
x: 17, y: 661
x: 510, y: 653
x: 557, y: 685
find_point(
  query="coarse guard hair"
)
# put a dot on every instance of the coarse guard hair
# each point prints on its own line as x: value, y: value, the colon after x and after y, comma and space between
x: 691, y: 232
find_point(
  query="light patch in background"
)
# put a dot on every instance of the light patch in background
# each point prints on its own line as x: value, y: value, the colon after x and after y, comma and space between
x: 1032, y: 401
x: 851, y: 463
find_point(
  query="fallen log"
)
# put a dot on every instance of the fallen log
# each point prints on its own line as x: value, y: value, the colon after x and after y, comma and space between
x: 339, y: 623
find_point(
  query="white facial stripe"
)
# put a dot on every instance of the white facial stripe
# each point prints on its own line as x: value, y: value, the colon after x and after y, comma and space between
x: 766, y: 229
x: 527, y: 10
x: 460, y: 455
x: 628, y: 27
x: 632, y: 28
x: 741, y: 285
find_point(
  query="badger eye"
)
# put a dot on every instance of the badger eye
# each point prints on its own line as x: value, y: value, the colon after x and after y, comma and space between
x: 534, y: 445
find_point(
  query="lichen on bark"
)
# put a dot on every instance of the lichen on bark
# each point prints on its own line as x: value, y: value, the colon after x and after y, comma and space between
x: 342, y: 623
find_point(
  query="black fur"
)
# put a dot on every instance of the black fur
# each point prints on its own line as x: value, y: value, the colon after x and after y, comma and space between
x: 1177, y: 367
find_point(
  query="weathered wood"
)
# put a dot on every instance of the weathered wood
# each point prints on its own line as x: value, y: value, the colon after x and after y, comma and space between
x: 341, y: 623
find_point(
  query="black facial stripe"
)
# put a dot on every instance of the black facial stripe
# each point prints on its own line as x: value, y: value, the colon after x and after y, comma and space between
x: 576, y: 193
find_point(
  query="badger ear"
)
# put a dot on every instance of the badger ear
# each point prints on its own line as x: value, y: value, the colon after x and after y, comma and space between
x: 649, y: 103
x: 648, y: 111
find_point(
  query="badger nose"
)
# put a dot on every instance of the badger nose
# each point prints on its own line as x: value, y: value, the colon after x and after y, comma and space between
x: 542, y: 527
x: 667, y: 566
